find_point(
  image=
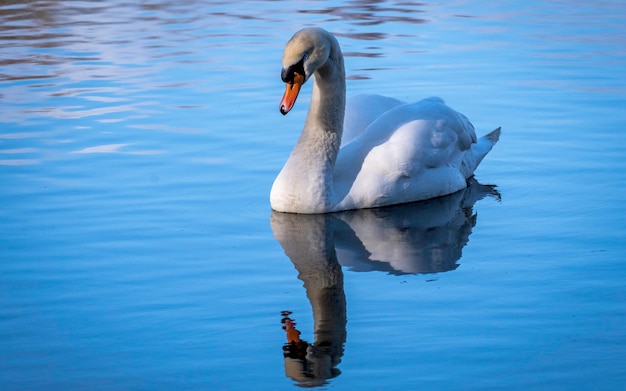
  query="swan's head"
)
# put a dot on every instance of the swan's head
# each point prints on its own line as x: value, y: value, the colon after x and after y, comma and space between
x: 305, y: 53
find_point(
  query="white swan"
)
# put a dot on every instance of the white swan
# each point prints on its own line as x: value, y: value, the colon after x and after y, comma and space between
x: 392, y: 152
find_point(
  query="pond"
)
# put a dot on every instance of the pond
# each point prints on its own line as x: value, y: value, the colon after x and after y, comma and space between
x: 138, y: 249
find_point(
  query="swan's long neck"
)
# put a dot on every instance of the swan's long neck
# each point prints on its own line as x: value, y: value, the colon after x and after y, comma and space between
x: 328, y: 100
x: 307, y: 177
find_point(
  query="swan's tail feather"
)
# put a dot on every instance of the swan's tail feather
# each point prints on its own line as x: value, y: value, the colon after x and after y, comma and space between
x: 478, y: 151
x: 494, y: 135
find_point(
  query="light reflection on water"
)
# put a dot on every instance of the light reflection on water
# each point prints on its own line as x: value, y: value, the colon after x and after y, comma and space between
x: 138, y: 143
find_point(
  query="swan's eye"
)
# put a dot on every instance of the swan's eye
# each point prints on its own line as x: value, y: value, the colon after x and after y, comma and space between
x: 288, y: 74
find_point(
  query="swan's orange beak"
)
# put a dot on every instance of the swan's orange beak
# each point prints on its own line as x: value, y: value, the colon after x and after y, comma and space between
x: 291, y: 93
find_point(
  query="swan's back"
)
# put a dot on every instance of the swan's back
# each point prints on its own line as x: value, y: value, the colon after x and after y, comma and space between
x: 411, y: 152
x: 361, y: 111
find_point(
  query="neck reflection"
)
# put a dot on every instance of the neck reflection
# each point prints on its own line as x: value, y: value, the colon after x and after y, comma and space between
x: 422, y: 237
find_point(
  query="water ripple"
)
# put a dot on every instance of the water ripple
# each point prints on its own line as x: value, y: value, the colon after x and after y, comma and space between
x: 139, y: 141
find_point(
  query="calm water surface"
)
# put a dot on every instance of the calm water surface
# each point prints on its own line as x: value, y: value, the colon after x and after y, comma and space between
x: 138, y: 144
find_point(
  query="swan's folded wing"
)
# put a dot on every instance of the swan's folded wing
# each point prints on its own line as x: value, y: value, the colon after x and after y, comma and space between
x: 411, y: 152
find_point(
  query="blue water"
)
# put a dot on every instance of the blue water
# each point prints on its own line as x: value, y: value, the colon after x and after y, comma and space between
x: 138, y: 144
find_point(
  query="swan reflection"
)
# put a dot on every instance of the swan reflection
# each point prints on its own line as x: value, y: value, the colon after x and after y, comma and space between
x: 422, y: 237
